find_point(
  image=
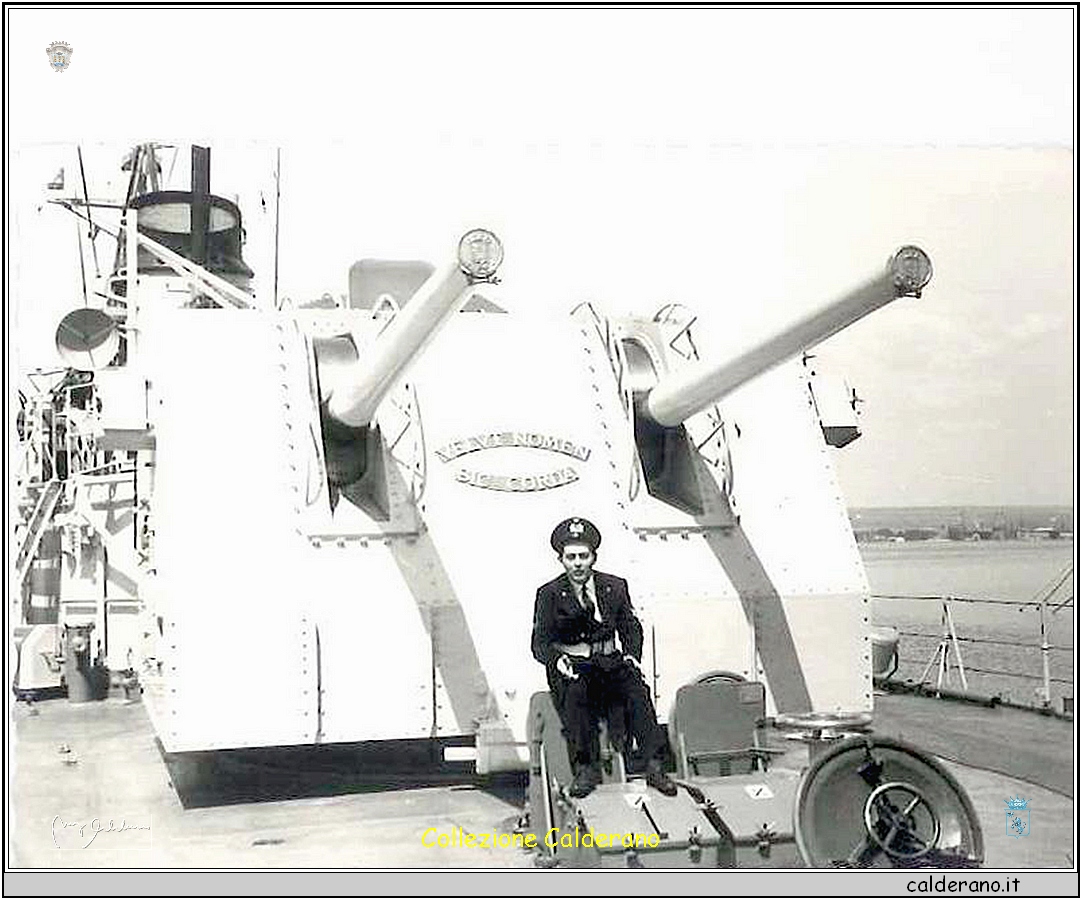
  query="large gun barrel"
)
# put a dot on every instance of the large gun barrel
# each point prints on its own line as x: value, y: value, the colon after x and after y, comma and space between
x: 682, y: 394
x: 360, y: 388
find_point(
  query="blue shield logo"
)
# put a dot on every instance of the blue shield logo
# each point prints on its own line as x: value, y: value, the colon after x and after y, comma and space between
x: 1017, y: 812
x: 59, y: 55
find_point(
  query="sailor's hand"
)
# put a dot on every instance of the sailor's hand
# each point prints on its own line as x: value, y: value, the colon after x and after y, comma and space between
x: 564, y: 667
x: 634, y: 663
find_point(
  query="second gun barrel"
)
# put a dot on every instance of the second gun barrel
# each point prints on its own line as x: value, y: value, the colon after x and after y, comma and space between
x: 684, y: 393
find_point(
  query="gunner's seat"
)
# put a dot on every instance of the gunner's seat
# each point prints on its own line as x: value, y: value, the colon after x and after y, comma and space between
x: 549, y: 759
x: 715, y: 726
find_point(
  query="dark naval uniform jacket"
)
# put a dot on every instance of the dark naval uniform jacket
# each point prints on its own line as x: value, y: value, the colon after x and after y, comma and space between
x: 559, y: 618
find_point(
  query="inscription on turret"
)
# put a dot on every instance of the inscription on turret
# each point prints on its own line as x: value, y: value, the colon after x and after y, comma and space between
x: 494, y: 439
x: 516, y: 481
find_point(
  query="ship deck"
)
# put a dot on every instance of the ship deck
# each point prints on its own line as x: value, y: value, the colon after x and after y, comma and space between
x: 996, y: 754
x: 72, y: 763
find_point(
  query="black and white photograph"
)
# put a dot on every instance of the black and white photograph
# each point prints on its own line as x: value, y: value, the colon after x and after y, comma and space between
x: 450, y: 447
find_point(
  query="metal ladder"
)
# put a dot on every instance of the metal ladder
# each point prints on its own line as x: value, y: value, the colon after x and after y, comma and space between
x: 39, y: 521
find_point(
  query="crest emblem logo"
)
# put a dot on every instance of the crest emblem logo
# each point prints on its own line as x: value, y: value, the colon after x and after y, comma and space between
x: 59, y: 55
x: 1017, y: 817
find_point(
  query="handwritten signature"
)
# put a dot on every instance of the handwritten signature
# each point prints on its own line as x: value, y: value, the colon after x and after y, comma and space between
x: 96, y: 826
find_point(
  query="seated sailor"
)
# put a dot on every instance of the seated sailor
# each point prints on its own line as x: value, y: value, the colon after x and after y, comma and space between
x: 578, y: 619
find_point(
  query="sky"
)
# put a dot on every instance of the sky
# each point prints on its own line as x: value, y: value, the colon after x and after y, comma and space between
x: 747, y: 163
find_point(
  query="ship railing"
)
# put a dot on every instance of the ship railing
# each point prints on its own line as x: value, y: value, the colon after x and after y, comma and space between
x: 35, y: 483
x: 36, y: 465
x: 956, y: 655
x: 57, y: 443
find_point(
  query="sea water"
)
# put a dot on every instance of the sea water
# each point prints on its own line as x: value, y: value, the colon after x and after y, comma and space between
x: 999, y: 641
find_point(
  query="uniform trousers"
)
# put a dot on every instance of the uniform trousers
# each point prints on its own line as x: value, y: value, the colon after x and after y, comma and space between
x: 609, y: 687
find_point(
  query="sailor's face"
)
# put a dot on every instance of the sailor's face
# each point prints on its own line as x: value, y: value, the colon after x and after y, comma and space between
x: 578, y: 561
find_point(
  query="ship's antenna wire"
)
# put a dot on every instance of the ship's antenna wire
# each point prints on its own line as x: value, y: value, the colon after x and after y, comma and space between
x: 1067, y: 573
x: 1066, y: 603
x: 131, y: 179
x: 82, y: 262
x: 173, y: 165
x: 1053, y: 584
x: 277, y: 213
x: 90, y: 222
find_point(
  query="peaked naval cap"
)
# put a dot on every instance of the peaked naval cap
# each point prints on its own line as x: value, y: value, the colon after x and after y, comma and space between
x: 575, y: 531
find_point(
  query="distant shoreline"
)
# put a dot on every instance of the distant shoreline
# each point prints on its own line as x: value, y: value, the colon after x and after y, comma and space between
x: 961, y: 523
x: 1025, y: 539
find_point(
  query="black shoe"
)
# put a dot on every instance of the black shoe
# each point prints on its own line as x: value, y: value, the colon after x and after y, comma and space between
x: 659, y: 781
x: 586, y: 779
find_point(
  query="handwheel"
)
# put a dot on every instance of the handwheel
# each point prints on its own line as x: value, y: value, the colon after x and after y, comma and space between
x: 873, y: 801
x: 900, y: 820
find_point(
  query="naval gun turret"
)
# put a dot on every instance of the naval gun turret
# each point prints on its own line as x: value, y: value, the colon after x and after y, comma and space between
x: 341, y: 516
